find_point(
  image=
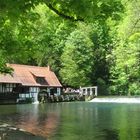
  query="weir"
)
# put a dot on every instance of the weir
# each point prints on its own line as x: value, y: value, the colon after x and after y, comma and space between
x: 117, y: 100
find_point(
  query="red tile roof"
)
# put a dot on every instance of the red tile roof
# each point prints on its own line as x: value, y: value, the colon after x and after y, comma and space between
x: 25, y: 75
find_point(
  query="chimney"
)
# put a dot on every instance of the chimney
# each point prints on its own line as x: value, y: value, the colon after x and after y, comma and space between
x: 49, y: 68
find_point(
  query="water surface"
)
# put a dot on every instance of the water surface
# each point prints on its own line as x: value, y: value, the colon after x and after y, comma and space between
x: 76, y: 121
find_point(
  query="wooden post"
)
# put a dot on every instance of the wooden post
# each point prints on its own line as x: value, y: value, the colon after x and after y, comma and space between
x: 58, y: 91
x: 95, y: 91
x: 91, y: 93
x: 48, y: 90
x: 86, y: 93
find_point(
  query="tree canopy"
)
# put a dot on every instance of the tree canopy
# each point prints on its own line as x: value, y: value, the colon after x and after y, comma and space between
x: 86, y: 42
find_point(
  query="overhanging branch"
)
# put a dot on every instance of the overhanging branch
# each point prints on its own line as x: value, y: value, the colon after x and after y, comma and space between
x: 62, y: 14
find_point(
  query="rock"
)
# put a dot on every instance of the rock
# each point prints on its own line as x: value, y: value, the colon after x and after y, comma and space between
x: 8, y: 132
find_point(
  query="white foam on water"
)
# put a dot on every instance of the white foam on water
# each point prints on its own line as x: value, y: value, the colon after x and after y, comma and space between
x: 4, y: 125
x: 116, y: 100
x: 37, y: 102
x: 22, y: 130
x: 7, y: 126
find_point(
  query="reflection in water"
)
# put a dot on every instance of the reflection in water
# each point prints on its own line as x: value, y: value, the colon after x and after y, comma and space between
x: 110, y: 134
x: 74, y: 121
x: 38, y: 121
x: 44, y: 128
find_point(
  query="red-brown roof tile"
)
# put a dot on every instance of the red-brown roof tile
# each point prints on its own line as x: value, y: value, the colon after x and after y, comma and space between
x: 26, y: 74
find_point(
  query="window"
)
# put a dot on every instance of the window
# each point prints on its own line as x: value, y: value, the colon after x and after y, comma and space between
x: 1, y: 88
x: 34, y: 89
x: 25, y: 89
x: 41, y: 80
x: 7, y: 87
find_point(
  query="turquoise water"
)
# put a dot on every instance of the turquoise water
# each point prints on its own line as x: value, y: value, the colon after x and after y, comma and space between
x: 76, y: 121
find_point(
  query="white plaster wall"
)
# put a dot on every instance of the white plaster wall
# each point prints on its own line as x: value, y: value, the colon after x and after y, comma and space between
x: 34, y: 93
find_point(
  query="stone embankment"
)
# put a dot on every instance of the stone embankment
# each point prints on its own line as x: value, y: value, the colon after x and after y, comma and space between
x: 62, y: 98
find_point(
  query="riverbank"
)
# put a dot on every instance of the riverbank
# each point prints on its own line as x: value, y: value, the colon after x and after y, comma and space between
x: 116, y: 99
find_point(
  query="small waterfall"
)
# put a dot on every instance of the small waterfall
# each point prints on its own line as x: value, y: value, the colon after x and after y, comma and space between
x: 117, y: 100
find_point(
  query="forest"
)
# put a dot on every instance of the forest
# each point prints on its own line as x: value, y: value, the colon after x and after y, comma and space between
x: 85, y: 42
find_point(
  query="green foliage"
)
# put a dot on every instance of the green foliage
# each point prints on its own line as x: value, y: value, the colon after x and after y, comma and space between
x: 125, y: 71
x: 3, y: 67
x: 101, y: 48
x: 102, y: 87
x: 77, y: 59
x: 81, y: 10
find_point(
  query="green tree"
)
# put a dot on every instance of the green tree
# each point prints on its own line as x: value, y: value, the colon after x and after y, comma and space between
x: 125, y: 70
x: 77, y: 59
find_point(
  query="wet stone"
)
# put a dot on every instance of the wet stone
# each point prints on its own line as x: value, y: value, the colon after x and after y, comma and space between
x: 8, y: 132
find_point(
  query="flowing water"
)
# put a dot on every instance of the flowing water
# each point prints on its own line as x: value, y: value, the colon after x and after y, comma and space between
x: 117, y: 100
x: 76, y: 120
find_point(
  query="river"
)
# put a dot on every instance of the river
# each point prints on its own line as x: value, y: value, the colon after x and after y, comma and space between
x: 75, y: 120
